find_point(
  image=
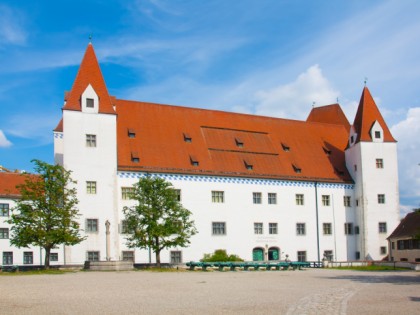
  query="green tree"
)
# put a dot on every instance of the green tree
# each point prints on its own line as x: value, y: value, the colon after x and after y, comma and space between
x: 158, y: 220
x: 46, y: 214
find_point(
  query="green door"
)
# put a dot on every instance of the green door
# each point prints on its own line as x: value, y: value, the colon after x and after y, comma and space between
x: 257, y: 254
x: 273, y: 253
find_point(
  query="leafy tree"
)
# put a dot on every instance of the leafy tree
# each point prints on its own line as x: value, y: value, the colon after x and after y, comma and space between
x: 46, y: 213
x: 220, y: 255
x: 158, y: 220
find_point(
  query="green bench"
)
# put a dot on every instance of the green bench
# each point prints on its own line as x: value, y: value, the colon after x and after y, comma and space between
x: 246, y: 265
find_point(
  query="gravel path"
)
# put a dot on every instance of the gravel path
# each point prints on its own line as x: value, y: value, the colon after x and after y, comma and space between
x: 241, y: 292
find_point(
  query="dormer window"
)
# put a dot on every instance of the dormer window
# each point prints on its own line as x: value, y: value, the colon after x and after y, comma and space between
x: 377, y: 132
x: 285, y: 147
x: 90, y: 103
x: 135, y: 157
x: 131, y: 133
x: 239, y: 143
x: 187, y: 137
x: 248, y: 165
x: 194, y: 161
x: 327, y: 151
x: 297, y: 169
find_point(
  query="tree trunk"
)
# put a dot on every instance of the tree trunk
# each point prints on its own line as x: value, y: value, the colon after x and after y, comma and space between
x: 157, y: 252
x: 47, y: 257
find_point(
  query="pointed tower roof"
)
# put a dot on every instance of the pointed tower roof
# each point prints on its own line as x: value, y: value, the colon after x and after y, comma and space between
x: 367, y: 114
x: 89, y: 73
x: 329, y: 114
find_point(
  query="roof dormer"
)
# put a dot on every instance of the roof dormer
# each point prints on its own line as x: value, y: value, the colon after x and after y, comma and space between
x: 90, y: 101
x: 377, y: 132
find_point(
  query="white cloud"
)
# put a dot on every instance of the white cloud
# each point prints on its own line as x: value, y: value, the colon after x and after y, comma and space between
x: 3, y: 141
x: 294, y: 100
x: 406, y: 132
x: 11, y: 27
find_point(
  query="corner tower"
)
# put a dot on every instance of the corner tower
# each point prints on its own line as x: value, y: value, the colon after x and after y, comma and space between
x: 85, y: 143
x: 371, y: 159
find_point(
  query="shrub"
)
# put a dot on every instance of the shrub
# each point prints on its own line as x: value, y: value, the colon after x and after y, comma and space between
x: 220, y: 255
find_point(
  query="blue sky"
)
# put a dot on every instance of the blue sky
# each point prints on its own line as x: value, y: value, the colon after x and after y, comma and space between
x: 266, y: 57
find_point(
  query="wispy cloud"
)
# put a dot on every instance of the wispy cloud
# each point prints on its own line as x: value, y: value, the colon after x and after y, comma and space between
x: 12, y: 30
x: 4, y: 143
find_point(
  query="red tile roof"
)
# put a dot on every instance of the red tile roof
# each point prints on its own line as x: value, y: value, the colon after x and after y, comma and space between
x: 8, y: 183
x: 89, y: 73
x: 329, y: 114
x: 408, y: 227
x: 367, y: 114
x: 59, y: 127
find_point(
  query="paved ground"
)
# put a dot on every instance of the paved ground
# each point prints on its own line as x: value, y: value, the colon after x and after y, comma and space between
x: 241, y: 292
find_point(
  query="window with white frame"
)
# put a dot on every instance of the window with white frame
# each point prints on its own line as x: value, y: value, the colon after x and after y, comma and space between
x: 347, y: 201
x: 217, y: 196
x: 258, y: 228
x: 299, y: 199
x: 300, y: 228
x: 7, y: 258
x: 124, y: 227
x: 219, y: 228
x: 28, y: 258
x: 301, y: 255
x: 256, y: 197
x: 348, y: 228
x: 53, y: 256
x: 272, y: 228
x: 176, y: 257
x: 379, y: 163
x: 325, y: 200
x: 328, y: 255
x: 4, y: 233
x: 383, y: 250
x: 127, y: 192
x: 91, y: 225
x: 327, y: 228
x: 90, y: 103
x: 91, y: 141
x: 91, y: 187
x: 93, y: 255
x: 381, y: 198
x: 382, y: 227
x: 128, y: 255
x: 4, y: 209
x: 272, y: 198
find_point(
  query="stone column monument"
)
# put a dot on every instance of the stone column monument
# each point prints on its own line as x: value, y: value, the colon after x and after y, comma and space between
x: 108, y: 240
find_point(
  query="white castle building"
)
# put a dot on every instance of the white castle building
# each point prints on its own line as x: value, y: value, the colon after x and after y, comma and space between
x: 259, y: 187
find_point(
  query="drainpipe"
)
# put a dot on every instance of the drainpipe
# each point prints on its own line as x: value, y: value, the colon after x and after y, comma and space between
x: 317, y: 220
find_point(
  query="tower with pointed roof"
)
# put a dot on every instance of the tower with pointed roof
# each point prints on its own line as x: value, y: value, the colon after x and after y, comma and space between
x: 371, y: 159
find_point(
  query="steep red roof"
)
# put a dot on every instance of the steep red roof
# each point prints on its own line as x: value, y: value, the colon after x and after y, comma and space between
x: 89, y: 73
x: 367, y: 114
x: 408, y: 227
x: 8, y: 183
x: 329, y: 114
x: 172, y: 138
x: 59, y: 127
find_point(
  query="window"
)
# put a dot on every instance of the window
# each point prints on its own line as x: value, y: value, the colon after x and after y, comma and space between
x: 377, y: 134
x: 348, y: 228
x: 128, y: 255
x: 7, y: 258
x: 357, y: 255
x: 194, y: 161
x: 357, y: 202
x: 382, y: 227
x: 53, y: 256
x: 297, y: 168
x: 328, y: 255
x: 355, y: 167
x: 4, y: 233
x: 4, y: 209
x: 178, y: 194
x: 272, y: 228
x: 239, y: 143
x: 28, y: 258
x: 187, y: 138
x: 356, y: 230
x: 327, y: 228
x: 256, y: 197
x: 135, y: 157
x: 176, y: 257
x: 219, y: 228
x: 248, y: 165
x: 379, y: 163
x: 91, y: 141
x: 272, y: 198
x: 131, y: 133
x: 124, y: 227
x: 258, y: 228
x: 300, y: 229
x: 325, y: 200
x: 301, y: 255
x: 93, y: 256
x: 383, y: 250
x: 285, y: 147
x: 299, y: 199
x: 381, y: 198
x: 217, y: 196
x: 91, y: 225
x: 127, y: 192
x: 90, y: 103
x: 347, y: 201
x: 91, y: 187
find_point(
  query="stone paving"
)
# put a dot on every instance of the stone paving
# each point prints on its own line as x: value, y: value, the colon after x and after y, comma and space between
x: 242, y: 292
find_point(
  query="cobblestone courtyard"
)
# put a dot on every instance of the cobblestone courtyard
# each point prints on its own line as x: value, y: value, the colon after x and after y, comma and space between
x: 241, y: 292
